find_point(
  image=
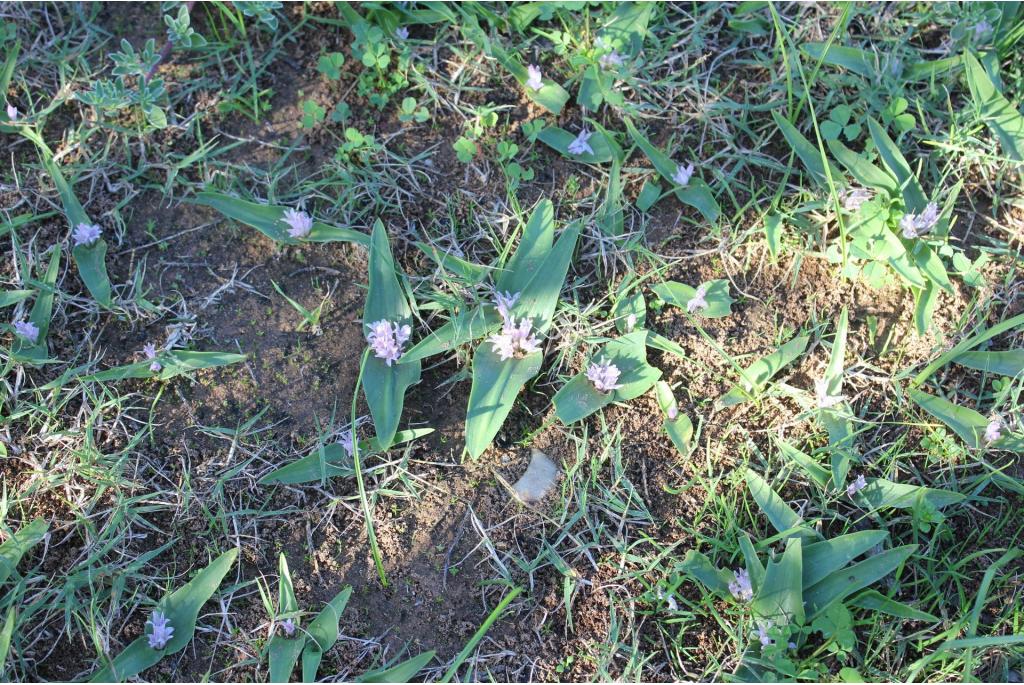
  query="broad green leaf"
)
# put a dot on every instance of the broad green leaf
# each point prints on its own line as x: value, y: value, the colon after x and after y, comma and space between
x: 965, y: 422
x: 818, y: 473
x: 182, y: 610
x: 809, y: 154
x: 604, y: 146
x: 400, y: 673
x: 473, y: 273
x: 40, y: 315
x: 1009, y: 363
x: 15, y: 547
x: 630, y: 308
x: 773, y: 229
x: 590, y: 95
x: 716, y: 295
x: 927, y: 70
x: 627, y: 27
x: 532, y: 251
x: 679, y: 429
x: 173, y: 363
x: 268, y: 220
x: 824, y: 558
x: 696, y: 193
x: 383, y: 385
x: 333, y: 460
x: 90, y: 259
x: 540, y: 296
x: 754, y: 379
x: 782, y: 518
x: 924, y: 307
x: 856, y: 60
x: 780, y: 597
x: 876, y: 601
x: 496, y: 384
x: 578, y: 398
x: 755, y: 569
x: 551, y: 95
x: 846, y: 581
x: 9, y: 297
x: 322, y: 633
x: 863, y: 171
x: 913, y: 195
x: 881, y: 493
x: 612, y: 219
x: 698, y: 566
x: 998, y: 113
x: 284, y: 651
x: 464, y: 328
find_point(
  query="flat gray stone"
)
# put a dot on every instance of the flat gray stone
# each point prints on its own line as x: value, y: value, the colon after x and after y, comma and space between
x: 539, y: 477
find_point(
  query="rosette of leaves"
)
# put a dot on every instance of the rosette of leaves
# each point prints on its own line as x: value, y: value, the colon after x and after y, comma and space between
x: 384, y: 386
x: 578, y: 398
x: 813, y: 586
x: 536, y: 270
x: 269, y: 220
x: 181, y: 608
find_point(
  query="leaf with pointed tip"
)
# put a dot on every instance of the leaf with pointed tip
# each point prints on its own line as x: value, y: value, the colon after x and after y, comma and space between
x: 604, y: 147
x: 755, y: 378
x: 1009, y: 363
x: 780, y: 597
x: 269, y: 220
x: 15, y: 547
x: 332, y: 460
x: 679, y: 429
x: 322, y: 634
x: 809, y: 154
x: 842, y: 583
x: 913, y: 195
x: 716, y: 295
x: 181, y: 608
x: 782, y: 518
x: 881, y: 493
x: 701, y: 568
x: 998, y: 113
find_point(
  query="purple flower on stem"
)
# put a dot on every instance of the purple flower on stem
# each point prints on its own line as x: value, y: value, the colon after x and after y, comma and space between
x: 604, y: 376
x: 580, y: 145
x: 300, y: 223
x: 994, y: 429
x: 162, y: 631
x: 386, y: 339
x: 402, y: 33
x: 534, y: 79
x: 858, y: 484
x: 697, y: 301
x: 149, y: 352
x: 916, y: 225
x: 683, y: 174
x: 740, y: 588
x: 86, y: 234
x: 27, y: 330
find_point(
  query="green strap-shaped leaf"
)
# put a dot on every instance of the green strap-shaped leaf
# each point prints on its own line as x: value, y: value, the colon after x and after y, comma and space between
x: 332, y: 460
x: 322, y: 634
x: 876, y: 601
x: 716, y: 295
x: 578, y: 398
x: 863, y: 171
x: 700, y: 567
x: 399, y: 673
x: 10, y: 297
x: 846, y: 581
x: 965, y: 422
x: 181, y: 608
x: 284, y: 651
x: 533, y: 249
x: 782, y: 518
x: 464, y: 328
x: 1009, y: 363
x: 856, y: 60
x: 913, y: 195
x: 780, y: 597
x: 496, y: 384
x: 809, y: 154
x: 996, y: 111
x: 604, y: 146
x: 173, y: 363
x: 551, y: 95
x: 880, y: 493
x: 755, y: 377
x: 383, y: 385
x: 818, y: 473
x: 14, y: 548
x: 40, y: 315
x: 821, y: 559
x: 696, y: 193
x: 680, y: 428
x: 268, y: 220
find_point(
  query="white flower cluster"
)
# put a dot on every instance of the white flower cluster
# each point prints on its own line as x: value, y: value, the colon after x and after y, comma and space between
x: 386, y: 340
x: 299, y: 223
x: 740, y: 588
x: 162, y: 631
x: 697, y: 302
x: 27, y: 330
x: 516, y: 340
x: 86, y: 234
x: 917, y: 225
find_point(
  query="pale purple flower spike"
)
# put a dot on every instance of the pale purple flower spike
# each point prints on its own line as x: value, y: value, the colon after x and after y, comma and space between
x: 163, y: 631
x: 854, y: 198
x: 994, y: 430
x: 825, y: 401
x: 149, y: 350
x: 386, y: 339
x: 402, y: 32
x: 697, y: 301
x: 27, y: 330
x: 504, y: 302
x: 288, y: 626
x: 86, y: 234
x: 580, y: 144
x: 916, y: 225
x: 611, y: 59
x: 515, y: 339
x: 683, y: 174
x: 604, y: 376
x: 762, y: 633
x: 534, y: 81
x: 856, y: 486
x: 347, y: 440
x: 300, y: 223
x: 673, y: 413
x: 12, y: 112
x: 741, y: 588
